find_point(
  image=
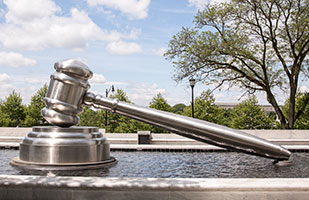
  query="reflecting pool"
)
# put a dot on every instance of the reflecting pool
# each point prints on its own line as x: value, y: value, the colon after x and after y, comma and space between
x: 180, y: 164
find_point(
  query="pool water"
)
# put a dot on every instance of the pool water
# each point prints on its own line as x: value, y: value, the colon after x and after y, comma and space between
x: 180, y: 164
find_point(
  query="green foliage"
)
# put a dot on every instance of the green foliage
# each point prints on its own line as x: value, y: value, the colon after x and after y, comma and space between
x: 118, y: 123
x: 159, y: 103
x: 256, y: 45
x: 99, y: 118
x: 302, y: 109
x: 178, y: 108
x: 12, y: 111
x: 248, y: 115
x: 131, y: 126
x: 33, y: 111
x: 205, y: 109
x: 4, y: 118
x: 91, y: 117
x: 121, y: 124
x: 120, y: 95
x: 115, y: 123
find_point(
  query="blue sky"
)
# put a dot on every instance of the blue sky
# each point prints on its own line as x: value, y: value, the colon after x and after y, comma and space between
x: 122, y: 42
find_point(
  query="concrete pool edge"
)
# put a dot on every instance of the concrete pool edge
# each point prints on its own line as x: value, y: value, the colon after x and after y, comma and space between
x: 166, y: 148
x: 66, y: 187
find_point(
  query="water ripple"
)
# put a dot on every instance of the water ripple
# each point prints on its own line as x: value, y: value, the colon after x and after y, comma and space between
x: 184, y: 165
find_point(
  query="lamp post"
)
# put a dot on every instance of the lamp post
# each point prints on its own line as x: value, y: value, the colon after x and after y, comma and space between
x: 192, y: 83
x: 106, y: 94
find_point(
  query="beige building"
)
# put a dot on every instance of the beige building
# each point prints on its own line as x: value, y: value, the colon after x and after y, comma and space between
x: 266, y: 108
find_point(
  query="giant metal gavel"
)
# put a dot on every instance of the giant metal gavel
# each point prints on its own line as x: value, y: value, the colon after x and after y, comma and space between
x: 67, y: 93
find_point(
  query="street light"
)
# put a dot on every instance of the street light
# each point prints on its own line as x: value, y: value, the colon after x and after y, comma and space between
x: 192, y: 83
x: 106, y: 94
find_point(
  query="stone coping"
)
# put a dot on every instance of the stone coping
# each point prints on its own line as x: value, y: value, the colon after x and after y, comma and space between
x: 137, y: 183
x: 166, y: 148
x: 267, y: 134
x: 61, y: 187
x: 166, y: 141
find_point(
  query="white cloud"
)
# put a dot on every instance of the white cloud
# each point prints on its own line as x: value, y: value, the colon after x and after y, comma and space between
x: 27, y: 92
x: 2, y: 12
x: 20, y: 11
x: 304, y: 88
x: 117, y: 83
x: 134, y: 34
x: 34, y: 25
x: 27, y: 86
x: 134, y: 9
x: 5, y: 85
x: 12, y: 59
x: 4, y: 78
x: 176, y: 99
x: 116, y: 36
x: 37, y: 80
x: 97, y: 79
x: 160, y: 51
x: 5, y: 90
x: 123, y: 48
x: 49, y: 31
x: 143, y: 93
x: 200, y: 4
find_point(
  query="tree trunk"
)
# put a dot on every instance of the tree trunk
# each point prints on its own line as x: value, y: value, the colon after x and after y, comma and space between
x: 291, y: 118
x: 271, y: 99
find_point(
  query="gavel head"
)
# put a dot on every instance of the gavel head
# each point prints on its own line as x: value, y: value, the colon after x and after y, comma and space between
x: 67, y: 87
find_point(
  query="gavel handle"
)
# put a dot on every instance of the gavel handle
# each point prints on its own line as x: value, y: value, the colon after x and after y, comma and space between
x: 191, y: 128
x: 68, y: 90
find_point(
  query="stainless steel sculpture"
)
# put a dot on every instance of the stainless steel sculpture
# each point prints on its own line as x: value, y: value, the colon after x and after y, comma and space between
x: 68, y: 92
x: 64, y: 148
x: 54, y: 148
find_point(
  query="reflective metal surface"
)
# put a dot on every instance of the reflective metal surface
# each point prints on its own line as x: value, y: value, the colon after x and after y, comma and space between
x: 54, y: 146
x: 192, y: 128
x: 66, y: 89
x: 67, y: 92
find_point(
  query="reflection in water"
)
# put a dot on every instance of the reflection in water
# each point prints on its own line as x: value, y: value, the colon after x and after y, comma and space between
x: 184, y: 165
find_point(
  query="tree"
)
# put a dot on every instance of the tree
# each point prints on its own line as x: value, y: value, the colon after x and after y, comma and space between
x: 205, y: 109
x: 115, y: 123
x: 131, y: 126
x: 120, y: 95
x: 13, y: 109
x: 302, y: 121
x: 99, y: 118
x: 4, y: 118
x: 90, y: 117
x: 178, y: 108
x: 259, y: 45
x: 118, y: 123
x: 33, y: 111
x: 159, y: 103
x: 248, y: 115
